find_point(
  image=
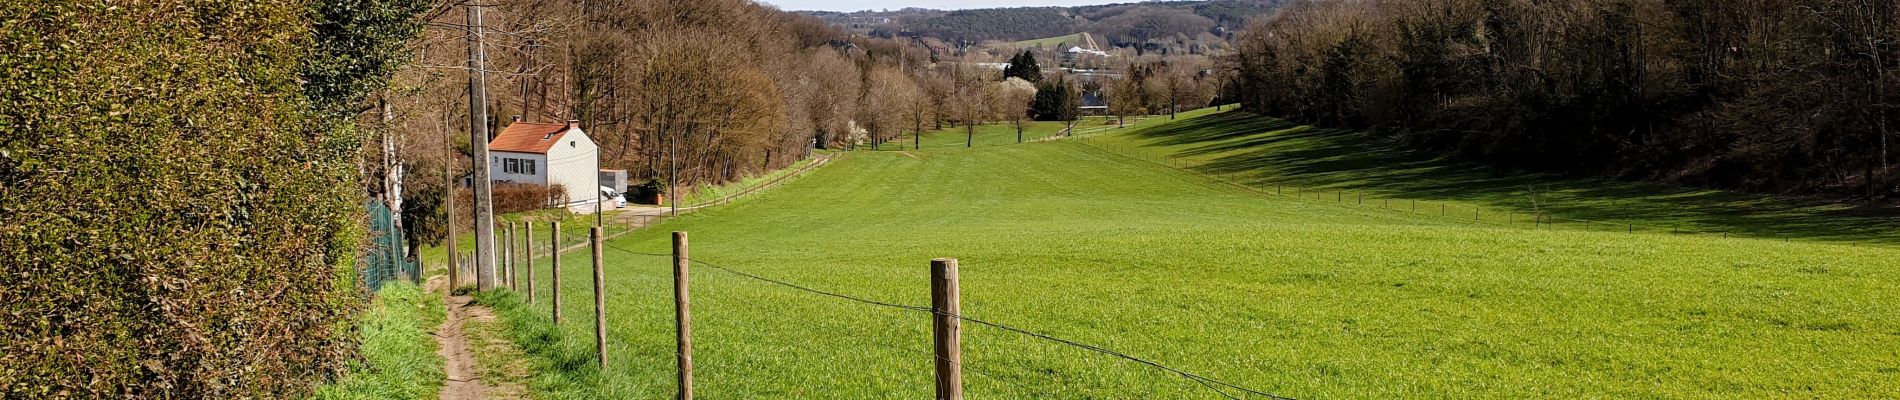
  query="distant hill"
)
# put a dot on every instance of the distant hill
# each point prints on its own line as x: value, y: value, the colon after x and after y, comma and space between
x: 1123, y: 23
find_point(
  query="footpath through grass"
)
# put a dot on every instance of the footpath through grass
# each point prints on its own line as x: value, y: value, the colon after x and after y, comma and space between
x: 1294, y: 297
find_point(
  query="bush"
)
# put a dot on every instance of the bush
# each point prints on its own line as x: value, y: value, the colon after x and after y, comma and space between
x: 179, y: 217
x: 509, y: 198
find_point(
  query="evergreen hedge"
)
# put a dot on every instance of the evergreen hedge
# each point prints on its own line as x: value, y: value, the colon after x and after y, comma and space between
x: 179, y: 202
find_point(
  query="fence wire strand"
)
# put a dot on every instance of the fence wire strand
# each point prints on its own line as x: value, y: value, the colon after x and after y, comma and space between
x: 1215, y: 385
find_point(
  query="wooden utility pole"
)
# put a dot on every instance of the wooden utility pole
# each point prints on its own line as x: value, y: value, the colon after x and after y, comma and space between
x: 948, y: 333
x: 600, y: 302
x: 478, y: 142
x: 672, y: 176
x: 448, y: 205
x: 527, y: 247
x: 554, y: 269
x: 683, y: 315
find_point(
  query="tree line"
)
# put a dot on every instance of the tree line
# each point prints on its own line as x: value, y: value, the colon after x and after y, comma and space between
x: 692, y: 92
x: 1779, y: 96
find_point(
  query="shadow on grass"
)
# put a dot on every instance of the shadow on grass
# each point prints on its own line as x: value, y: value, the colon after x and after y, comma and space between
x: 1263, y: 152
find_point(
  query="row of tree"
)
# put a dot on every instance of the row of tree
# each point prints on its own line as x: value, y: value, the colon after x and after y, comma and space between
x: 1768, y: 95
x: 1152, y: 84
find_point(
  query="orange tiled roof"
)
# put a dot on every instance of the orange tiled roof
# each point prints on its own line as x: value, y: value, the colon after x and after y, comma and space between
x: 528, y: 137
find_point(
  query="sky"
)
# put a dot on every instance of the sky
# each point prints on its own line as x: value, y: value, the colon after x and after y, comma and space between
x: 860, y: 5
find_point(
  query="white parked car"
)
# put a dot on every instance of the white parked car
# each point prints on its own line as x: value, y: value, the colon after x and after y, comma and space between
x: 608, y: 195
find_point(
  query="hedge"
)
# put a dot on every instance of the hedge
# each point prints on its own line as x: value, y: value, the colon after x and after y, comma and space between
x: 179, y: 213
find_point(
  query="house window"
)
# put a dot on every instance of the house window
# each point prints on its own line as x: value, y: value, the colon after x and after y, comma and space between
x: 511, y: 165
x: 528, y: 166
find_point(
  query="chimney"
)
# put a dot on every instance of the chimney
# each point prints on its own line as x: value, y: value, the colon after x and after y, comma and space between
x: 517, y: 118
x: 573, y: 124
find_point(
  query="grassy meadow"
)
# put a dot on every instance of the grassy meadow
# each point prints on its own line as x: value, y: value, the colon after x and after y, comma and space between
x: 1286, y: 294
x: 1074, y: 39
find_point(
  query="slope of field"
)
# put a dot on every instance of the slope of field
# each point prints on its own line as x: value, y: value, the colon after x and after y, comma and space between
x: 1293, y: 297
x: 1074, y: 39
x: 1268, y: 153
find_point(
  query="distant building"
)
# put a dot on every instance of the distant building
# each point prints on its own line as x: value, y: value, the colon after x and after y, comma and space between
x: 548, y: 154
x: 1093, y: 104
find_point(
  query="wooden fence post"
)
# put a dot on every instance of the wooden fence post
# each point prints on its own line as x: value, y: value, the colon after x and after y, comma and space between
x: 554, y: 269
x: 948, y: 333
x: 682, y: 316
x: 527, y: 244
x: 508, y: 258
x: 600, y: 302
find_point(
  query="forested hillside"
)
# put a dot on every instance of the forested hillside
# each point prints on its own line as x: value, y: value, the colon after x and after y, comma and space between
x: 1779, y: 96
x: 1124, y: 23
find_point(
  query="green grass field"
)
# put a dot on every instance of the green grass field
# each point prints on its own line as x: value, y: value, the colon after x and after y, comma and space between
x: 1071, y: 39
x: 1290, y: 295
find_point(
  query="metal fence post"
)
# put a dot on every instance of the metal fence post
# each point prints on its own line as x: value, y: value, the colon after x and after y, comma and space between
x: 947, y: 333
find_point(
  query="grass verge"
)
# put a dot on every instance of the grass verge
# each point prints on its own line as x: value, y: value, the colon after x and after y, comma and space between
x: 397, y: 347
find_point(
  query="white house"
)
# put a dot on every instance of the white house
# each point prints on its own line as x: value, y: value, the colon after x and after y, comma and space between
x: 548, y: 154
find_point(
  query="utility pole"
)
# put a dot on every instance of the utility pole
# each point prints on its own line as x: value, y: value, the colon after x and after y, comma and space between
x: 478, y: 141
x: 448, y: 205
x: 672, y: 174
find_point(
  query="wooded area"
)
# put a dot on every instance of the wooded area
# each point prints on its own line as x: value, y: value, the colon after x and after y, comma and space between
x: 1777, y: 96
x: 702, y: 92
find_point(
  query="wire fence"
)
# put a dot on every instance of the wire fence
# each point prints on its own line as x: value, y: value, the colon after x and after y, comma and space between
x: 1214, y: 386
x: 1455, y: 211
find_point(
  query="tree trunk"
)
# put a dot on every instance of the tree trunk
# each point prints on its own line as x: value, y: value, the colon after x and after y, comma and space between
x: 392, y: 170
x: 969, y: 138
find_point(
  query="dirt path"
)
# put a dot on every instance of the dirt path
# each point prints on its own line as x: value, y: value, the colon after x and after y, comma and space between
x: 456, y: 347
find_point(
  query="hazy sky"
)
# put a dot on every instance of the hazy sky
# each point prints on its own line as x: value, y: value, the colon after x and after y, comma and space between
x: 858, y: 5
